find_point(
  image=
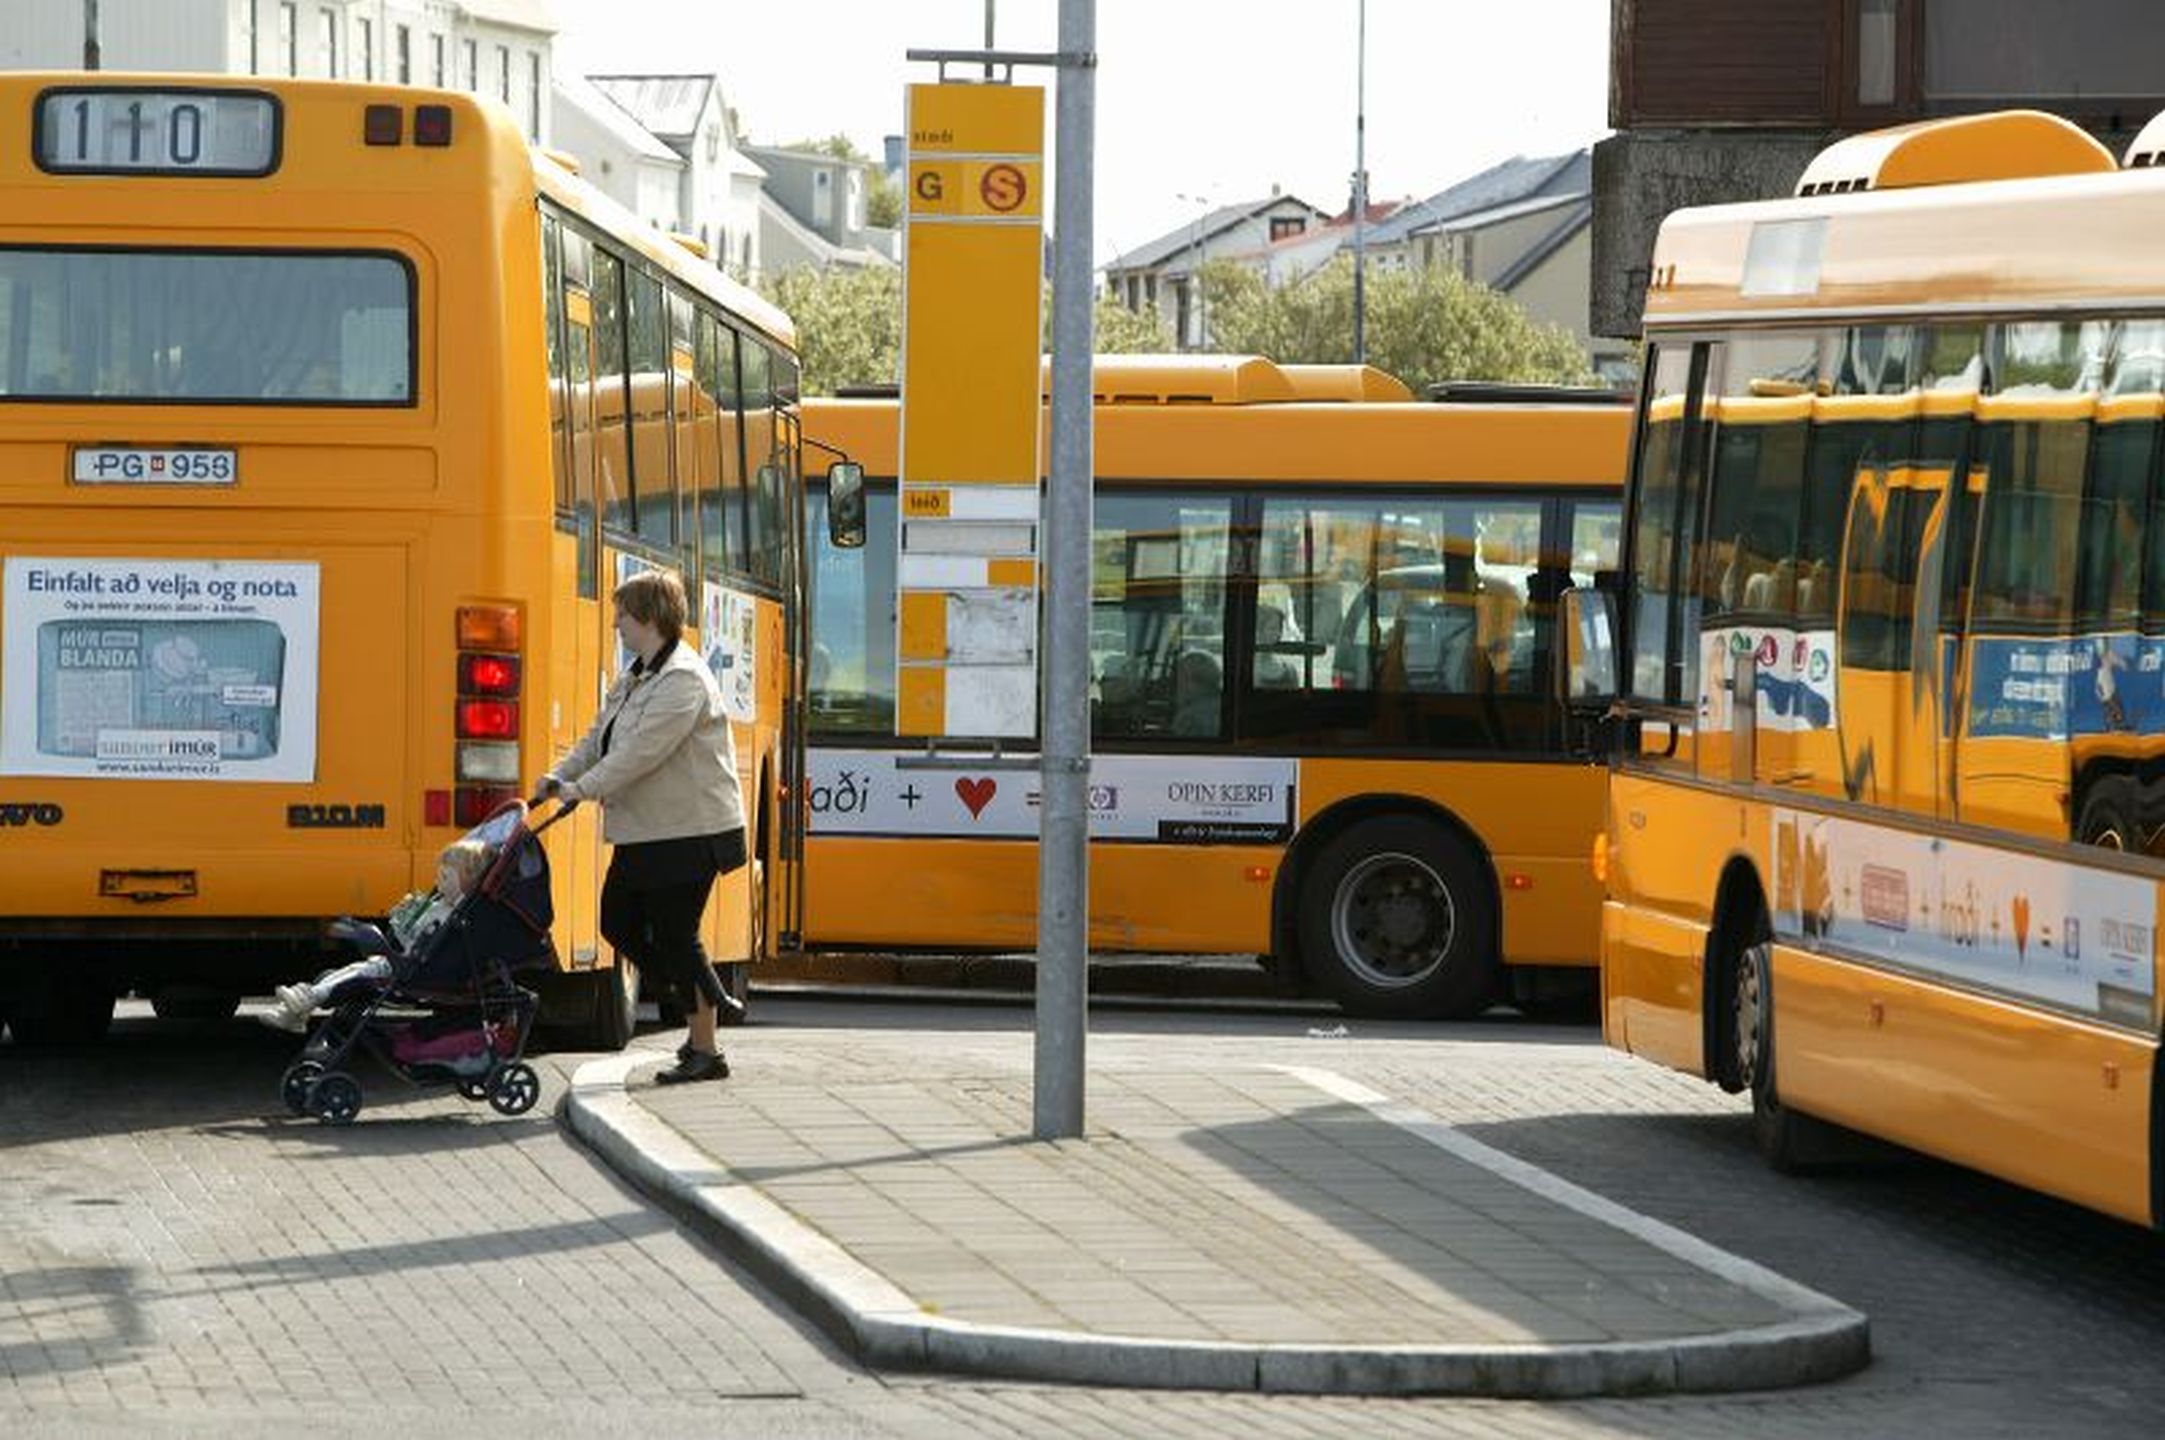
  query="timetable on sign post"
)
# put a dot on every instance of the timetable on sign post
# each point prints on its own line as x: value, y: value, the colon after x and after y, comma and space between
x: 967, y: 572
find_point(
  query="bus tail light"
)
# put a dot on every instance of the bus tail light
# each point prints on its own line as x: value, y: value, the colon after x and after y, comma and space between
x: 477, y: 803
x: 488, y: 674
x: 489, y: 627
x: 487, y: 762
x: 492, y: 761
x: 432, y: 124
x: 488, y: 720
x: 436, y: 807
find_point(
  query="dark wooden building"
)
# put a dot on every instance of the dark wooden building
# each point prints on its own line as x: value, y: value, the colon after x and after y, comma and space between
x: 1717, y: 100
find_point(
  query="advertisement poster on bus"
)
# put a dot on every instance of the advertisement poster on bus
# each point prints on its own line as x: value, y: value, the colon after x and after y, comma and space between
x: 159, y: 669
x: 2064, y: 935
x: 1795, y: 676
x: 729, y: 639
x: 2054, y: 689
x: 1174, y: 799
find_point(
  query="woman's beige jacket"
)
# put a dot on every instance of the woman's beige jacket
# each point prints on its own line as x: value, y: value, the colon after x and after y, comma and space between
x: 671, y: 770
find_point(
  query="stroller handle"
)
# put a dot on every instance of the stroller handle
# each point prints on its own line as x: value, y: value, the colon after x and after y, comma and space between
x: 563, y: 808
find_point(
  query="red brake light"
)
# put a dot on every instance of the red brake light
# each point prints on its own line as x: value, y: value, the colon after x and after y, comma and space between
x: 488, y: 674
x: 488, y: 720
x: 436, y: 807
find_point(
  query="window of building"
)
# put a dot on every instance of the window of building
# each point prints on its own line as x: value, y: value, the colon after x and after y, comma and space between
x: 404, y: 54
x: 533, y: 96
x: 289, y: 42
x: 1877, y: 35
x: 2098, y: 56
x: 503, y: 73
x: 436, y: 61
x: 365, y: 39
x: 473, y: 66
x: 331, y: 22
x: 1284, y: 226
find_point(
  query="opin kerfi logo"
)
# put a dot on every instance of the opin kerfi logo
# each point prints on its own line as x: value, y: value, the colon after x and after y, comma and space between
x: 20, y: 813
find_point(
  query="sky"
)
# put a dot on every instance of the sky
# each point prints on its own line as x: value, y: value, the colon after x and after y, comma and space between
x: 1200, y: 103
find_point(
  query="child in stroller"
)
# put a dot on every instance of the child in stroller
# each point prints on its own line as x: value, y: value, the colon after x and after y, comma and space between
x: 458, y: 870
x: 436, y: 1000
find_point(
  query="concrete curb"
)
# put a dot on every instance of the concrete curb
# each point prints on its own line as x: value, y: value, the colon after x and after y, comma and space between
x: 884, y: 1328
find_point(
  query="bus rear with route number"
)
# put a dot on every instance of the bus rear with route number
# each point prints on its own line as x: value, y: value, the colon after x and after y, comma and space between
x: 272, y: 546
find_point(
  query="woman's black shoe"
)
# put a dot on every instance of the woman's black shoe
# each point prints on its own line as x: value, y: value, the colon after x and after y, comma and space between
x: 694, y: 1065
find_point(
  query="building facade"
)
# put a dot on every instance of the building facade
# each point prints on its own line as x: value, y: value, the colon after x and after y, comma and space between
x: 497, y: 48
x: 1165, y: 273
x: 1730, y: 101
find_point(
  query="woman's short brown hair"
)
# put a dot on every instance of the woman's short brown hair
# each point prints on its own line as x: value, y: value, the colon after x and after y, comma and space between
x: 656, y: 598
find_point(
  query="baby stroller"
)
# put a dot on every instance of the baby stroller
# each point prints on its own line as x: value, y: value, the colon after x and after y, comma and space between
x: 453, y: 1012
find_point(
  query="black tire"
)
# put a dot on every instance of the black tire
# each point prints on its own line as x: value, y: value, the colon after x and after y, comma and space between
x: 293, y: 1085
x: 335, y: 1099
x: 515, y: 1089
x: 736, y: 978
x: 1395, y: 921
x: 612, y: 1006
x: 53, y: 1010
x: 2108, y: 817
x: 1792, y: 1144
x: 195, y: 1002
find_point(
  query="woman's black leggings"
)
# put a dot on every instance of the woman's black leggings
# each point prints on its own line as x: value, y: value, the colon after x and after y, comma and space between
x: 658, y: 928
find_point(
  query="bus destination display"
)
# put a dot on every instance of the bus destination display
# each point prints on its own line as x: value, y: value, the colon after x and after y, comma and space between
x: 156, y: 132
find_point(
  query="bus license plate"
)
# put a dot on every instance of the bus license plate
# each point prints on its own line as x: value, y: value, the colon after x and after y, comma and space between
x: 133, y: 465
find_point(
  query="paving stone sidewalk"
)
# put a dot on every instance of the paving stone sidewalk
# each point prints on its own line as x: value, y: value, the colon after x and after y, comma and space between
x: 1253, y: 1227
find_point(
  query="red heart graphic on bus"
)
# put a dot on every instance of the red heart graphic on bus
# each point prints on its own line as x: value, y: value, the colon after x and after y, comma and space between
x: 976, y: 792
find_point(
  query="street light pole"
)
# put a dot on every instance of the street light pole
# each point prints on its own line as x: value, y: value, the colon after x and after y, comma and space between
x: 1202, y: 307
x: 1360, y: 189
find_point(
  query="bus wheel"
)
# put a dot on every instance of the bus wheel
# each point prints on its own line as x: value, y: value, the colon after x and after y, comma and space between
x: 1395, y: 922
x: 2107, y: 819
x: 61, y: 1010
x: 1791, y: 1143
x: 613, y: 1012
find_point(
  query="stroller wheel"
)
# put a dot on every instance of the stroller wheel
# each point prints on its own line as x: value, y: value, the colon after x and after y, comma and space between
x: 474, y: 1090
x: 335, y: 1098
x: 515, y: 1089
x: 293, y: 1085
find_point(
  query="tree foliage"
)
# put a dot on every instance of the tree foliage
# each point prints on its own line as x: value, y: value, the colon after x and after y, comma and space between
x: 1422, y: 325
x: 849, y: 324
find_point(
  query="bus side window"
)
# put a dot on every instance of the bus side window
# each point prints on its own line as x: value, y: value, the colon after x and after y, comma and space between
x: 729, y: 420
x: 1157, y: 615
x: 552, y: 324
x: 685, y: 413
x: 653, y: 516
x: 763, y: 549
x: 612, y: 395
x: 704, y: 482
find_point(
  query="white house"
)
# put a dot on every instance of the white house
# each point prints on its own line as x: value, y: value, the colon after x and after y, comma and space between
x: 617, y: 155
x: 718, y: 184
x: 1163, y: 272
x: 497, y: 48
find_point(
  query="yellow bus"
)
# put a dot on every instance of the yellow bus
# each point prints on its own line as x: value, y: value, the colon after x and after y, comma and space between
x: 1324, y: 725
x: 329, y: 417
x: 1883, y: 835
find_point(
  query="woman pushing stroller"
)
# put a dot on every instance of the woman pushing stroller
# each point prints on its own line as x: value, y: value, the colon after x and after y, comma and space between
x: 660, y: 760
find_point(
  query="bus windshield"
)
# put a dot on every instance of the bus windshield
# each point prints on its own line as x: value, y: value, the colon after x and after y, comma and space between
x: 191, y: 326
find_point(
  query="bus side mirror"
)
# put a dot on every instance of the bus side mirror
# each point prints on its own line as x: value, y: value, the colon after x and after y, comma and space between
x: 1588, y: 625
x: 845, y: 505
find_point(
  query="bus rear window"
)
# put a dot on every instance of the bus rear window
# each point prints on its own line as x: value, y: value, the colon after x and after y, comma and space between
x: 206, y: 327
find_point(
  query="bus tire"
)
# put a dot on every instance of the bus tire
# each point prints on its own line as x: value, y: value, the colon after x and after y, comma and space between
x: 1395, y: 922
x: 612, y: 1006
x: 2108, y: 816
x: 61, y: 1010
x: 1792, y: 1143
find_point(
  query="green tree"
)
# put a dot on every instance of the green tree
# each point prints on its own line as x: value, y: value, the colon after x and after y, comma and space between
x: 1424, y: 326
x: 849, y: 324
x: 1121, y: 331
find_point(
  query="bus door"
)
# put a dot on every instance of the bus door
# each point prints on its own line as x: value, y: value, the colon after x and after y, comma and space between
x: 577, y: 679
x: 787, y: 888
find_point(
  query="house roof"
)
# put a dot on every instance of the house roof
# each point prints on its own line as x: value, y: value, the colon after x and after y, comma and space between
x: 667, y: 105
x: 613, y: 118
x: 1196, y: 232
x: 1516, y: 179
x: 1497, y: 214
x: 519, y: 14
x: 1571, y: 222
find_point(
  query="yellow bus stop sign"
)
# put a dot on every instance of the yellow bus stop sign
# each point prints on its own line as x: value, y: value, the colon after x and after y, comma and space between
x: 973, y: 266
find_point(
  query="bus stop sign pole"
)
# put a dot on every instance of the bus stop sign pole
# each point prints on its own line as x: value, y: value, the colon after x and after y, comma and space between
x: 1063, y: 875
x: 1063, y: 883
